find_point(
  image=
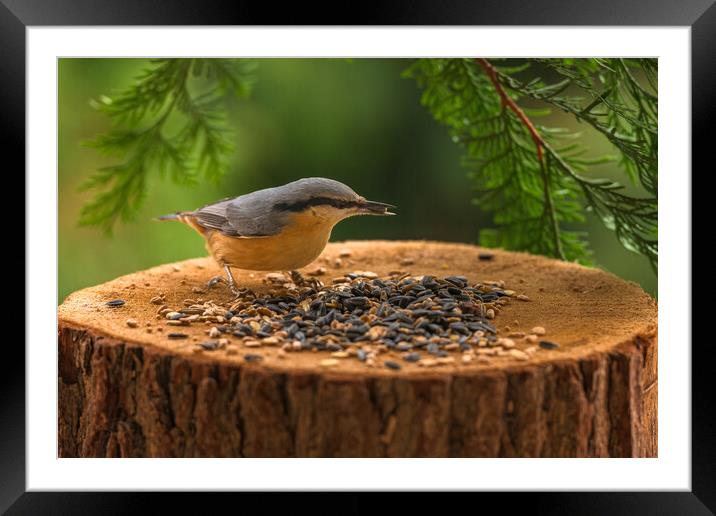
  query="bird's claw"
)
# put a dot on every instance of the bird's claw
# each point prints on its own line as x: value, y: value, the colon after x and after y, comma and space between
x: 300, y: 281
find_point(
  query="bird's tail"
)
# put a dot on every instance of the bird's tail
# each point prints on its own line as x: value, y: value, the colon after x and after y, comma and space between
x: 173, y: 216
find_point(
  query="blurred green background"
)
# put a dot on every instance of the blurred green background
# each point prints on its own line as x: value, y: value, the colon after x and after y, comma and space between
x: 356, y: 121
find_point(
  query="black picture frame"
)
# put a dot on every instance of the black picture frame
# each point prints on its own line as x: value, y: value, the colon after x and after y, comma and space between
x: 700, y: 15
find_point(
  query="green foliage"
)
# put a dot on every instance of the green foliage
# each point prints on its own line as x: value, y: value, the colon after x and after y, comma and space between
x: 170, y: 121
x: 532, y: 178
x: 537, y: 181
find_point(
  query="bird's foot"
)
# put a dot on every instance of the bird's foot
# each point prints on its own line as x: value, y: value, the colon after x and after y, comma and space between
x: 297, y: 278
x: 236, y: 291
x: 300, y: 281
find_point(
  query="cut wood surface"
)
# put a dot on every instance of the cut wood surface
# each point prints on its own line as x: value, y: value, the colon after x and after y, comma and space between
x: 126, y: 392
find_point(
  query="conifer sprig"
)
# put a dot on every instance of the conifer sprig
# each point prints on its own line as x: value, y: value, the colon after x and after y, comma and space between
x: 532, y: 177
x: 170, y: 121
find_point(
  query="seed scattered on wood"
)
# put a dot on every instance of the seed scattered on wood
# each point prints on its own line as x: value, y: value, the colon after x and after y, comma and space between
x: 345, y: 253
x: 253, y: 358
x: 210, y: 345
x: 132, y: 323
x: 506, y: 343
x: 485, y: 256
x: 276, y: 277
x: 361, y: 316
x: 177, y: 335
x: 546, y: 344
x: 115, y: 303
x: 329, y: 362
x: 523, y: 297
x: 407, y: 261
x: 392, y: 365
x: 538, y: 330
x: 519, y: 354
x: 428, y: 362
x: 412, y: 357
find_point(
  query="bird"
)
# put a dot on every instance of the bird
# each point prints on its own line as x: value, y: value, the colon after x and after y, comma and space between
x: 275, y: 229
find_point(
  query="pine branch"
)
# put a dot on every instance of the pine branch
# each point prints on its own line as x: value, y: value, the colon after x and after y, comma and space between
x: 143, y: 133
x: 535, y: 192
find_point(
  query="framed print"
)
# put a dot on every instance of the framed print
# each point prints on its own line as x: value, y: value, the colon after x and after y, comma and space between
x: 388, y: 256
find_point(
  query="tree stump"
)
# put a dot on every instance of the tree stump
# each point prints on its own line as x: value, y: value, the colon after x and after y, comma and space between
x: 126, y: 392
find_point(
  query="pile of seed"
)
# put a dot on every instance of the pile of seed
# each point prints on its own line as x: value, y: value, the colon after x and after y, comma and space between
x: 378, y: 321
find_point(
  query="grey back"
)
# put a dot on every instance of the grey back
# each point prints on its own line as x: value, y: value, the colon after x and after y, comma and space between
x: 266, y: 212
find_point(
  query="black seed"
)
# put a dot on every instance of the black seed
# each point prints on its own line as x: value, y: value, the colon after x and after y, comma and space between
x: 392, y: 365
x: 460, y: 281
x: 485, y: 256
x: 245, y: 328
x: 177, y: 335
x: 546, y: 344
x: 459, y: 328
x: 412, y: 357
x: 253, y: 358
x: 389, y: 343
x: 115, y: 303
x: 356, y: 301
x: 361, y: 328
x: 210, y: 346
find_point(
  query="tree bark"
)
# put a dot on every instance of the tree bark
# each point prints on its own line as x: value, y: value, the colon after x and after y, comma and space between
x: 127, y: 393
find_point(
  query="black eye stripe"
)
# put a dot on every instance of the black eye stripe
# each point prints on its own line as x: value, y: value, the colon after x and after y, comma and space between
x: 316, y: 201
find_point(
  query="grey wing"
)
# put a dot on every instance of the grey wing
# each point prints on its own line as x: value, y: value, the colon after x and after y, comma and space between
x: 245, y: 216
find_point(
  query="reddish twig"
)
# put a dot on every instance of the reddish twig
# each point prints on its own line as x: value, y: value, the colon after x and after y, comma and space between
x: 508, y: 102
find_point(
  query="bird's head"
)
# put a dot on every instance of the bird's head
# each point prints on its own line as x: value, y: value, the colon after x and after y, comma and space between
x: 326, y: 199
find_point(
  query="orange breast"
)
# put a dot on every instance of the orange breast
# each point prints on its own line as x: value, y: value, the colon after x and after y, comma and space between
x: 300, y: 243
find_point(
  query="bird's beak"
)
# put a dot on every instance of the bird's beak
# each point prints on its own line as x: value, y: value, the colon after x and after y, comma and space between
x: 375, y: 208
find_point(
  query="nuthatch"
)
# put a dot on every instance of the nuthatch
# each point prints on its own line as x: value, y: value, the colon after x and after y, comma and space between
x: 283, y: 228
